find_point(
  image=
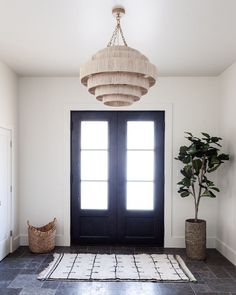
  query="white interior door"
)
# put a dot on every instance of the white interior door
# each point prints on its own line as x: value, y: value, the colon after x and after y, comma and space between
x: 5, y: 191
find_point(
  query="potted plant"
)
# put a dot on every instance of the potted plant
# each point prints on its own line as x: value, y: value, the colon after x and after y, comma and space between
x: 200, y: 158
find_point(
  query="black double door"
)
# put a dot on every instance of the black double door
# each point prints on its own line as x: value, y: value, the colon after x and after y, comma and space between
x: 117, y: 177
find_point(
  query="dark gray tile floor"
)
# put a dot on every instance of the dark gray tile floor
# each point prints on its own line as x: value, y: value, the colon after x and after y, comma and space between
x: 19, y: 270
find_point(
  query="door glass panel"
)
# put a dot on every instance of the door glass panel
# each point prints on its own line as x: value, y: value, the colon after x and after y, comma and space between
x: 140, y: 196
x: 140, y: 165
x: 94, y: 165
x: 94, y: 195
x: 94, y: 135
x: 140, y: 135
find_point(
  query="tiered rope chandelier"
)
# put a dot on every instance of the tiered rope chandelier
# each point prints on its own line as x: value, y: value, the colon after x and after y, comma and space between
x: 118, y: 75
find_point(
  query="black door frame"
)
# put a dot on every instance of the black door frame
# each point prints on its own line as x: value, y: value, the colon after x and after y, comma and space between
x: 156, y: 216
x: 111, y: 214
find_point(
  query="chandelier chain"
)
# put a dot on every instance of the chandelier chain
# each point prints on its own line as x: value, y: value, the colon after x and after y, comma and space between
x: 115, y: 36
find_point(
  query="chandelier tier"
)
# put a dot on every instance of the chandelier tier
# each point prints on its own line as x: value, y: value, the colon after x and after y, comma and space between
x: 118, y: 75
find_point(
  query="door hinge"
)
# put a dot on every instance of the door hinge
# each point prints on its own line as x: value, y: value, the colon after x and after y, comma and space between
x: 11, y: 188
x: 11, y: 233
x: 10, y: 143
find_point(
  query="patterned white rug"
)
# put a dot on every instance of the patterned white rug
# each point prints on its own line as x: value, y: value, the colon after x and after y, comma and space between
x: 116, y: 267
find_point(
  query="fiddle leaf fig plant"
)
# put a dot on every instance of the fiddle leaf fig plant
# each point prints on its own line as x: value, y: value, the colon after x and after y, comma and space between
x: 200, y: 158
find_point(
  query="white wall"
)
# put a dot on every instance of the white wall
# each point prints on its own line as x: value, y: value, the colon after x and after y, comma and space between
x: 226, y: 233
x: 8, y: 119
x: 44, y: 173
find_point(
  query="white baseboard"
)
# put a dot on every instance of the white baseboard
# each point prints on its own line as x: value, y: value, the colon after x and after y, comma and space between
x: 226, y: 250
x: 59, y: 240
x: 172, y: 242
x: 15, y: 243
x: 179, y: 242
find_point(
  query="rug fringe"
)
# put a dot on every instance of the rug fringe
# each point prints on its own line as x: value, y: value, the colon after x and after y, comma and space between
x: 185, y: 269
x: 43, y: 274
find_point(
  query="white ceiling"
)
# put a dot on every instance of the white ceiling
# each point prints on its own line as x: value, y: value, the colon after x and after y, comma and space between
x: 181, y: 37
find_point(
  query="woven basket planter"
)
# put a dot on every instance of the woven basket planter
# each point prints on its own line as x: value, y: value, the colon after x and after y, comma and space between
x: 42, y: 239
x: 195, y: 238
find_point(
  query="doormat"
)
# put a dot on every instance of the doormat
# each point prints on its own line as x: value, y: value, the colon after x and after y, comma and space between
x: 117, y: 267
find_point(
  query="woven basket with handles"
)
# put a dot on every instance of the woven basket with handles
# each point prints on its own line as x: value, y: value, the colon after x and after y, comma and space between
x: 42, y: 239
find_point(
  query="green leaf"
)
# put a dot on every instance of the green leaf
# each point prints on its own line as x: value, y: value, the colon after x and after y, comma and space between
x: 185, y: 194
x: 186, y: 182
x: 211, y: 151
x: 186, y: 160
x: 223, y: 157
x: 212, y: 194
x: 205, y: 134
x: 183, y: 149
x: 194, y: 140
x: 203, y: 186
x: 197, y: 164
x: 206, y: 193
x: 215, y: 139
x: 209, y: 182
x: 188, y: 171
x: 189, y: 133
x: 215, y: 189
x: 193, y: 178
x: 180, y: 182
x: 214, y: 168
x: 214, y: 160
x: 184, y: 155
x: 193, y: 150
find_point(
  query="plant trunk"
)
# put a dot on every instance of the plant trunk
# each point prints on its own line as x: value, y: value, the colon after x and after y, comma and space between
x: 197, y: 199
x: 196, y: 212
